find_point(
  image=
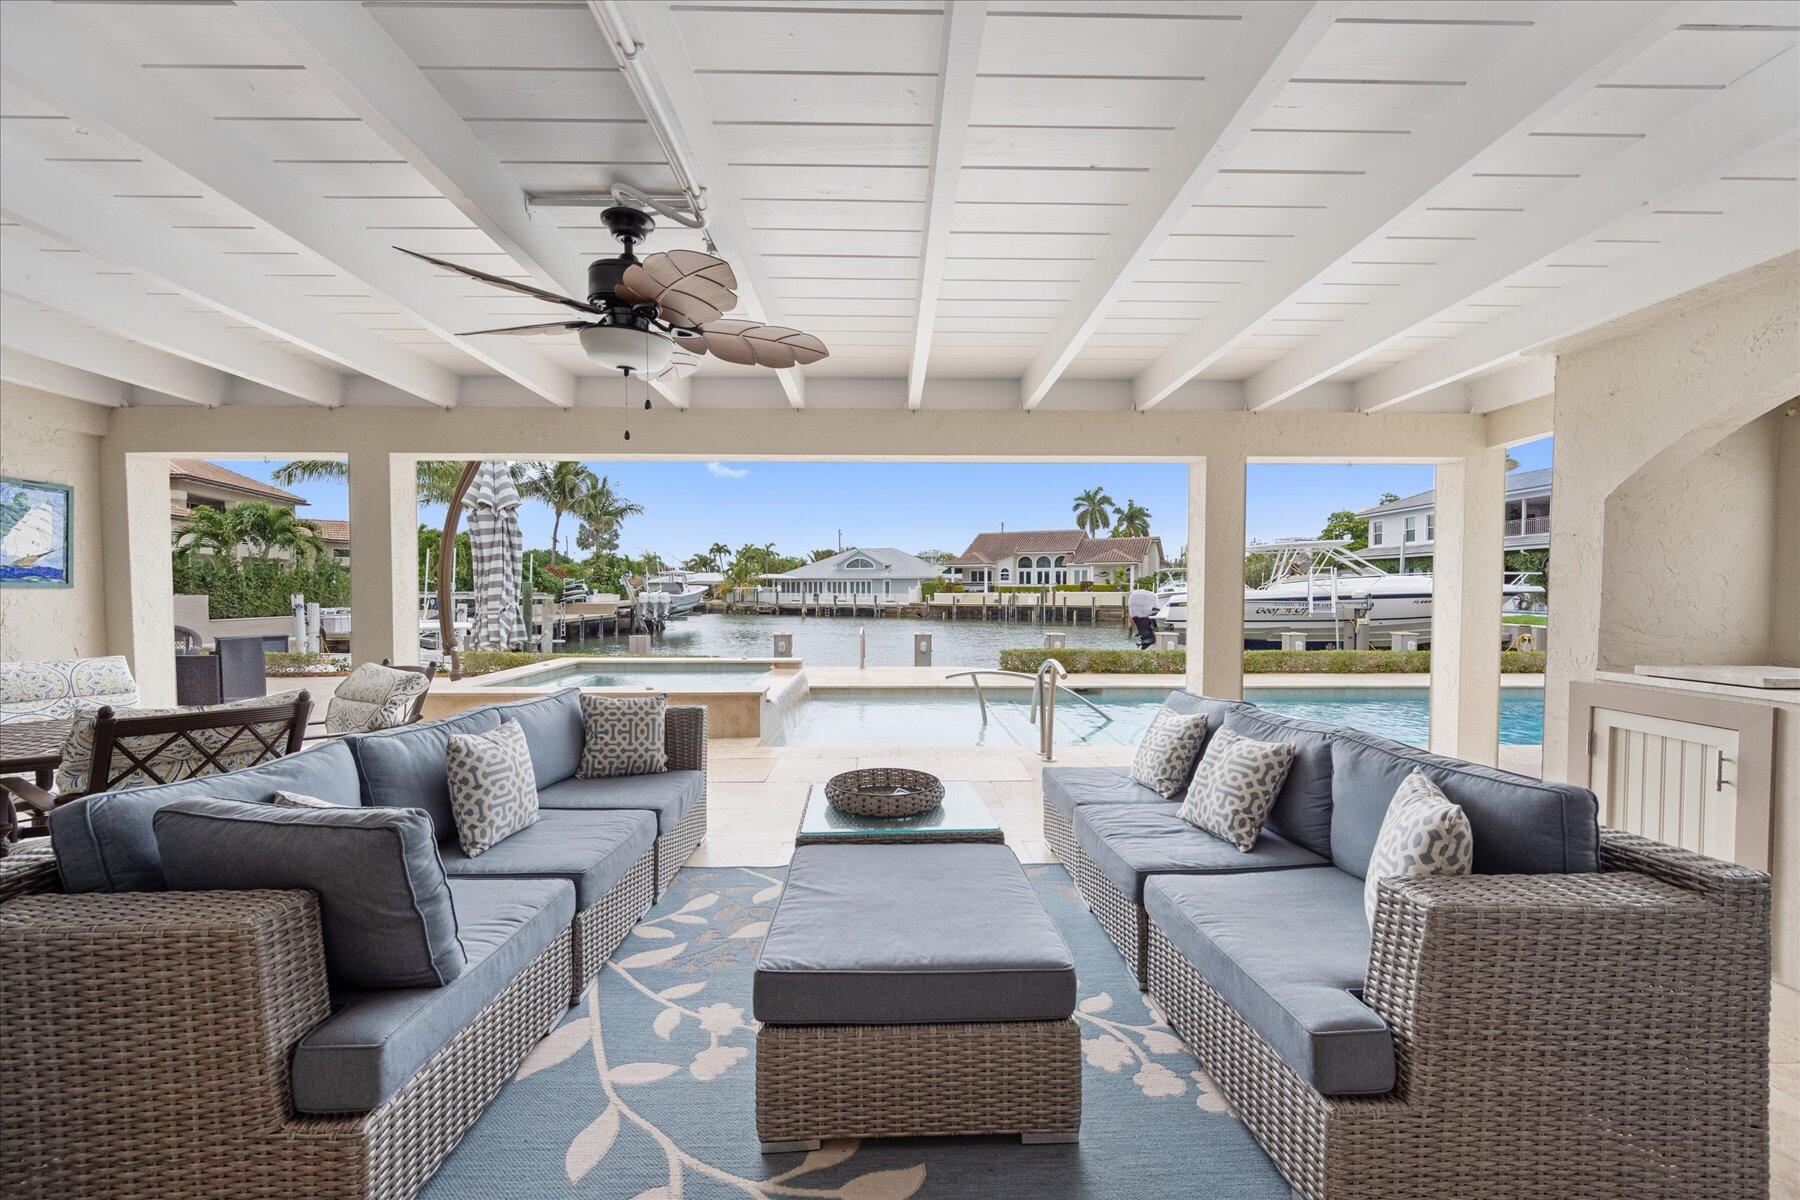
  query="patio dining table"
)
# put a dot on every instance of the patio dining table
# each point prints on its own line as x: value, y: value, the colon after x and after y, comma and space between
x: 34, y: 746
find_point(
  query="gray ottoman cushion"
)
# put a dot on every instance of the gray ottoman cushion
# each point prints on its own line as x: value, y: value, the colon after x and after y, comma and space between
x: 669, y: 795
x: 384, y: 903
x: 1521, y: 826
x: 1128, y: 843
x: 1065, y: 787
x: 104, y: 843
x: 919, y: 934
x: 1288, y: 951
x: 592, y: 850
x: 405, y: 768
x: 553, y: 730
x: 1302, y: 812
x: 366, y: 1050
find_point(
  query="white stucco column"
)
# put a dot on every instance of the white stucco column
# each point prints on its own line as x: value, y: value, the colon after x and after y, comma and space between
x: 384, y: 552
x: 1468, y: 566
x: 1215, y: 573
x: 140, y: 586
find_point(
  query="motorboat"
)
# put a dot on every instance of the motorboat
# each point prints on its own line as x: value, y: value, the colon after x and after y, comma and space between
x: 1323, y: 590
x: 685, y: 589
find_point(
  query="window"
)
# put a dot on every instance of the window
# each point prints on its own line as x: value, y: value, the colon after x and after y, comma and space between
x: 1024, y: 562
x: 1412, y: 529
x: 1375, y: 531
x: 1005, y: 574
x: 860, y: 564
x: 1431, y: 527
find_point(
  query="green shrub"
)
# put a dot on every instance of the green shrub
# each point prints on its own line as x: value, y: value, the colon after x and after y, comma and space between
x: 286, y: 664
x: 1099, y: 662
x: 1256, y: 662
x: 258, y: 587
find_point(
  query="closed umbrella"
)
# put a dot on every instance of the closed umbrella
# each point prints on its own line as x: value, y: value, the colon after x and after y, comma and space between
x: 495, y: 546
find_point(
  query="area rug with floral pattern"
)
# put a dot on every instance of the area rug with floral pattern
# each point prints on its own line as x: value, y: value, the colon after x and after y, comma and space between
x: 646, y: 1091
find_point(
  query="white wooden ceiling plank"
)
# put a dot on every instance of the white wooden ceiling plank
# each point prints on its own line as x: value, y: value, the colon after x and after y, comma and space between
x: 1124, y: 42
x: 794, y: 290
x: 28, y: 370
x: 787, y: 96
x: 883, y: 41
x: 1729, y: 125
x: 1050, y: 270
x: 836, y: 214
x: 594, y: 90
x: 530, y: 140
x: 821, y: 266
x: 800, y: 239
x: 1073, y: 101
x: 1070, y: 186
x: 1309, y: 149
x: 530, y: 38
x: 1313, y: 102
x: 1414, y: 50
x: 1247, y: 219
x: 49, y: 336
x: 830, y: 144
x: 1069, y: 148
x: 1556, y: 60
x: 1708, y: 57
x: 270, y: 92
x: 830, y: 183
x: 1275, y: 40
x: 587, y: 173
x: 208, y: 35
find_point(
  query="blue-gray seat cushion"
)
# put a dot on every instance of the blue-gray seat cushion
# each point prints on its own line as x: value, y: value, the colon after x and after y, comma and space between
x: 384, y: 903
x: 1065, y: 787
x: 404, y: 768
x: 1288, y: 951
x: 104, y: 843
x: 1521, y: 826
x: 375, y: 1041
x: 1302, y: 812
x: 896, y: 935
x: 592, y: 850
x: 553, y: 732
x: 1128, y: 843
x: 670, y: 795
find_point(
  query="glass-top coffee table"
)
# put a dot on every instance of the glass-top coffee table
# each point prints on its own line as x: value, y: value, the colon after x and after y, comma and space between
x: 962, y: 817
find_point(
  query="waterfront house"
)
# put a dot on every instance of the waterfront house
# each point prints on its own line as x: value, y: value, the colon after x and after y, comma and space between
x: 196, y: 483
x: 1052, y: 558
x: 869, y: 571
x: 1406, y: 528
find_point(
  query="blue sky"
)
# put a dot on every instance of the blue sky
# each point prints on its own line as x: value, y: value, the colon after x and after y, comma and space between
x: 919, y: 506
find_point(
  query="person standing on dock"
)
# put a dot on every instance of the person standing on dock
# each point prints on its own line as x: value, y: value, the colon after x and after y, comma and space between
x: 1141, y: 604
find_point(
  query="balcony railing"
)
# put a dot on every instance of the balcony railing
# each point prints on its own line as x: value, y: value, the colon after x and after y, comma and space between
x: 1521, y: 526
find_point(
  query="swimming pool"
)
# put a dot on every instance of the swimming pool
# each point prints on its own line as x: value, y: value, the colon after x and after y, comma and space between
x: 952, y: 718
x: 701, y: 675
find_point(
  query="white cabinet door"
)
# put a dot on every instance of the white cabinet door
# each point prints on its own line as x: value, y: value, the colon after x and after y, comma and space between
x: 1672, y: 780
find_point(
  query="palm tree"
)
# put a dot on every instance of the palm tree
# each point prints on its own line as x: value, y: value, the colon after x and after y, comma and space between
x: 1132, y: 520
x: 265, y: 527
x: 209, y: 530
x: 719, y: 554
x: 1093, y: 511
x: 822, y: 555
x: 561, y: 485
x: 601, y: 511
x: 437, y: 479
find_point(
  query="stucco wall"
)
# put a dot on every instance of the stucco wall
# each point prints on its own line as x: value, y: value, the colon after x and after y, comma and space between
x: 56, y: 439
x: 1784, y: 637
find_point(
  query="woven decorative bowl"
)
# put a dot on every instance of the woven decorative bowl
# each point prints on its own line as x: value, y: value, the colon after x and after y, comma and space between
x: 884, y: 792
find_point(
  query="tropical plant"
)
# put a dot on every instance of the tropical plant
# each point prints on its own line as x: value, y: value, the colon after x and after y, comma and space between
x: 601, y: 512
x: 270, y: 529
x: 208, y: 531
x: 1131, y: 520
x: 1345, y: 524
x: 437, y: 478
x: 823, y: 554
x: 1093, y: 511
x: 561, y: 485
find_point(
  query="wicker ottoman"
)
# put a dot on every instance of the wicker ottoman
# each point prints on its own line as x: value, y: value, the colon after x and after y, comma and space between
x: 913, y: 991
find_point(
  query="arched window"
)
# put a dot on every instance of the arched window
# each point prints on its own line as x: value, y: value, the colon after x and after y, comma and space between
x: 1043, y: 560
x: 1005, y: 575
x: 861, y: 564
x: 1024, y: 562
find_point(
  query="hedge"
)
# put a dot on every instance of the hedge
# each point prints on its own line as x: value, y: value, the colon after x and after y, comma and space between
x: 258, y: 587
x: 1257, y: 662
x: 284, y: 664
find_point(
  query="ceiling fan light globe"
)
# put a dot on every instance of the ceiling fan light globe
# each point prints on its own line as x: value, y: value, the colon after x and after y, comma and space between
x: 621, y: 348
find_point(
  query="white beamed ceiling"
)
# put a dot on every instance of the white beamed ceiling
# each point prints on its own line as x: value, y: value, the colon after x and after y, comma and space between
x: 825, y: 112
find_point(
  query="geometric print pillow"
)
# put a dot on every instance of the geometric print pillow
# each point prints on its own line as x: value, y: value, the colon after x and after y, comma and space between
x: 1424, y: 833
x: 493, y: 792
x: 1235, y: 787
x: 1166, y: 754
x: 373, y: 697
x: 624, y: 736
x: 299, y: 800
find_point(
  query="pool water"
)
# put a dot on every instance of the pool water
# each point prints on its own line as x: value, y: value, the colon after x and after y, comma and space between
x: 939, y: 718
x: 675, y: 677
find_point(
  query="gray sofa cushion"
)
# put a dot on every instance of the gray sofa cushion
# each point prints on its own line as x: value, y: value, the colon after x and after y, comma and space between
x: 104, y: 843
x: 383, y: 900
x: 1521, y: 826
x: 592, y: 850
x: 1128, y: 843
x: 1065, y: 787
x: 894, y: 935
x: 670, y: 795
x: 405, y: 768
x: 1288, y: 951
x: 1302, y: 812
x: 365, y: 1051
x: 553, y: 730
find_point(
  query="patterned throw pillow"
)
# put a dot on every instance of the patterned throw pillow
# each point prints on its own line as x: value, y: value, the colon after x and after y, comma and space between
x: 299, y: 800
x: 1165, y: 757
x: 1424, y: 833
x: 493, y: 793
x: 373, y: 697
x: 624, y: 736
x: 165, y: 759
x: 1235, y: 786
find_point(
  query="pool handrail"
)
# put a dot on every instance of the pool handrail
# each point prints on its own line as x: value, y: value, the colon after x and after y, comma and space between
x: 1042, y: 698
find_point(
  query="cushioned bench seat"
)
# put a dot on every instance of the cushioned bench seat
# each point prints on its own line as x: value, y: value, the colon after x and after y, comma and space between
x: 377, y: 1040
x: 670, y: 795
x: 1288, y: 951
x: 592, y: 850
x: 896, y: 934
x: 1065, y: 787
x: 1128, y: 843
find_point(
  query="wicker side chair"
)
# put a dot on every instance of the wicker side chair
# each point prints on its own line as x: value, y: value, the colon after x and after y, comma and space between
x: 411, y: 714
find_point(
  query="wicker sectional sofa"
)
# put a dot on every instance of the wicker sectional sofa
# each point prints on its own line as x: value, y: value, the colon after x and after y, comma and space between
x: 1586, y: 1015
x: 190, y: 1044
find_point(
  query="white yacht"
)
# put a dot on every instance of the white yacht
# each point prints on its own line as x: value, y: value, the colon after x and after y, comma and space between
x: 1327, y: 592
x: 685, y: 589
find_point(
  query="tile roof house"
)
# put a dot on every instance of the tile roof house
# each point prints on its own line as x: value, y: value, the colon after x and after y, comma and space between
x: 1051, y: 557
x: 196, y: 483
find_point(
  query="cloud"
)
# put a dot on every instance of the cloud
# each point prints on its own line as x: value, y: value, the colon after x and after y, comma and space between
x: 725, y: 472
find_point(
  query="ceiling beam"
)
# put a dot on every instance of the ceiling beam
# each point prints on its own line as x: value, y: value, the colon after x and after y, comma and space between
x: 1274, y: 39
x: 28, y: 370
x: 46, y: 335
x: 963, y: 24
x: 1757, y: 111
x: 44, y: 197
x: 345, y: 48
x: 647, y: 42
x: 49, y: 280
x: 52, y: 53
x: 1640, y: 281
x: 1539, y: 73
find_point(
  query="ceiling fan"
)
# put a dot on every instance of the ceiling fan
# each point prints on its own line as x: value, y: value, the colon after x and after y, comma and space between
x: 655, y: 317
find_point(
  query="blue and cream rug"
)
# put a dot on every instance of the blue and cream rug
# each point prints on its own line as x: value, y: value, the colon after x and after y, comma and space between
x: 646, y: 1091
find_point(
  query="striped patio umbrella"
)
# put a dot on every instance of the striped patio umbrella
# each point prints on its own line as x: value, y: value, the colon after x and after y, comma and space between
x: 495, y: 550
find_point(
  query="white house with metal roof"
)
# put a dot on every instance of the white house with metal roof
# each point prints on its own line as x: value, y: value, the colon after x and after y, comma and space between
x: 859, y: 571
x: 1407, y: 527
